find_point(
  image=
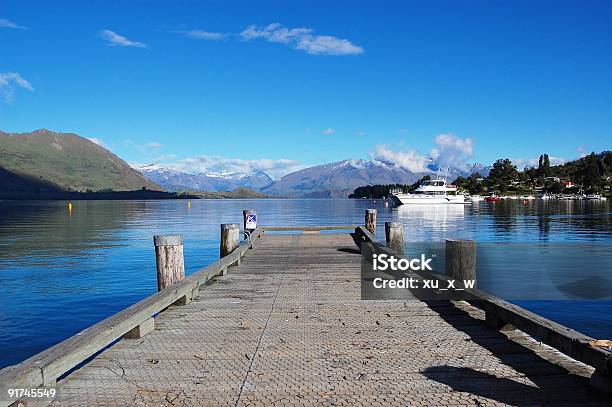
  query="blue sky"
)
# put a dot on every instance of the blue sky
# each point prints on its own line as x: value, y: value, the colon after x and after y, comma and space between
x: 279, y: 85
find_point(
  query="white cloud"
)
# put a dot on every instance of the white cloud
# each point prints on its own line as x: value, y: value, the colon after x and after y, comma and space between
x: 521, y: 163
x: 582, y: 151
x: 452, y: 151
x: 328, y: 131
x: 8, y: 82
x: 115, y: 39
x: 5, y: 23
x: 217, y: 164
x: 327, y: 45
x: 148, y: 149
x: 97, y: 141
x: 204, y: 35
x: 302, y: 39
x: 275, y: 33
x: 360, y: 133
x: 409, y: 160
x: 557, y: 160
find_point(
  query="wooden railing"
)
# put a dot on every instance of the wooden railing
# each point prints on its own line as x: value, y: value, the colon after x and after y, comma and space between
x: 46, y: 367
x: 313, y: 229
x: 500, y: 313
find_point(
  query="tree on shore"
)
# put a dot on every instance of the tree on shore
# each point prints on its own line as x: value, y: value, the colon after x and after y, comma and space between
x: 592, y: 173
x: 502, y: 173
x: 474, y: 184
x: 544, y: 166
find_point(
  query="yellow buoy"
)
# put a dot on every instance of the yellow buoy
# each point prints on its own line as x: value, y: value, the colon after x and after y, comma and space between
x: 188, y: 204
x: 69, y: 206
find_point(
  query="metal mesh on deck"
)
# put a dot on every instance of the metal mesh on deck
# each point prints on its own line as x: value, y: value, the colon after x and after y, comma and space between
x: 287, y: 327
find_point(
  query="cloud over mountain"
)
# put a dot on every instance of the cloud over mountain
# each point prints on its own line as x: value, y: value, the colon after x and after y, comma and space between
x: 409, y: 160
x: 521, y: 163
x: 224, y: 165
x: 450, y: 151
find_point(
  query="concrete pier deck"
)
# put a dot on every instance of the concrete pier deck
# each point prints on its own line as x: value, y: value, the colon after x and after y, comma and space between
x: 287, y: 327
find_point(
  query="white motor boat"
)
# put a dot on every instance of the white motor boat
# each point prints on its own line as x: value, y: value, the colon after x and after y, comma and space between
x: 596, y: 197
x: 430, y: 192
x: 476, y: 198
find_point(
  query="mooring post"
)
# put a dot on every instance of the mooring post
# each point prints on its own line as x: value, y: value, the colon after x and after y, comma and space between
x: 370, y: 220
x: 461, y: 265
x: 230, y: 239
x: 394, y: 236
x: 461, y: 259
x: 170, y: 261
x: 170, y: 269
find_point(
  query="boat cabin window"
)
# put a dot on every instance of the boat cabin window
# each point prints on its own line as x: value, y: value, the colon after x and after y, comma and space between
x: 429, y: 193
x: 433, y: 183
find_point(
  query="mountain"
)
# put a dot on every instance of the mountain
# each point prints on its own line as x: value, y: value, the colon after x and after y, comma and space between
x: 238, y: 193
x: 333, y: 180
x: 174, y: 180
x: 479, y: 168
x: 338, y: 179
x: 462, y: 171
x: 46, y: 161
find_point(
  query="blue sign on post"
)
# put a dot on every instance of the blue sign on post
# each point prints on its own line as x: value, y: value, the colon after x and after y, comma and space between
x: 251, y: 221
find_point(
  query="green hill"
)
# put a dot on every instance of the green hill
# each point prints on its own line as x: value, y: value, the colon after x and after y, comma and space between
x: 44, y: 161
x: 238, y: 193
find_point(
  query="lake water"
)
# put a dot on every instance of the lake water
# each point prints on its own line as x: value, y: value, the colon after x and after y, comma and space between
x: 62, y: 271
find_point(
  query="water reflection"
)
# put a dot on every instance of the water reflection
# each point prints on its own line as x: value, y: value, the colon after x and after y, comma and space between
x: 40, y: 232
x: 431, y: 222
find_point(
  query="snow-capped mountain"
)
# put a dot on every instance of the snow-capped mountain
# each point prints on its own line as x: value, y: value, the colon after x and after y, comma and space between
x: 479, y: 168
x: 338, y: 179
x: 333, y: 180
x: 174, y: 180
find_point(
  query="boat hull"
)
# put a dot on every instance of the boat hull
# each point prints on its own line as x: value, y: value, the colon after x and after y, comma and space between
x: 408, y: 199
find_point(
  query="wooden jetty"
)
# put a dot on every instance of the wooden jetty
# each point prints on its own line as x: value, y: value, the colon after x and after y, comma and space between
x: 279, y: 321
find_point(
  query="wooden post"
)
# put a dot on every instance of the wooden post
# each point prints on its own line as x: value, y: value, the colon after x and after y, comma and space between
x: 394, y: 235
x: 170, y: 270
x: 170, y: 261
x: 461, y: 265
x: 370, y: 220
x: 461, y: 259
x: 230, y: 239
